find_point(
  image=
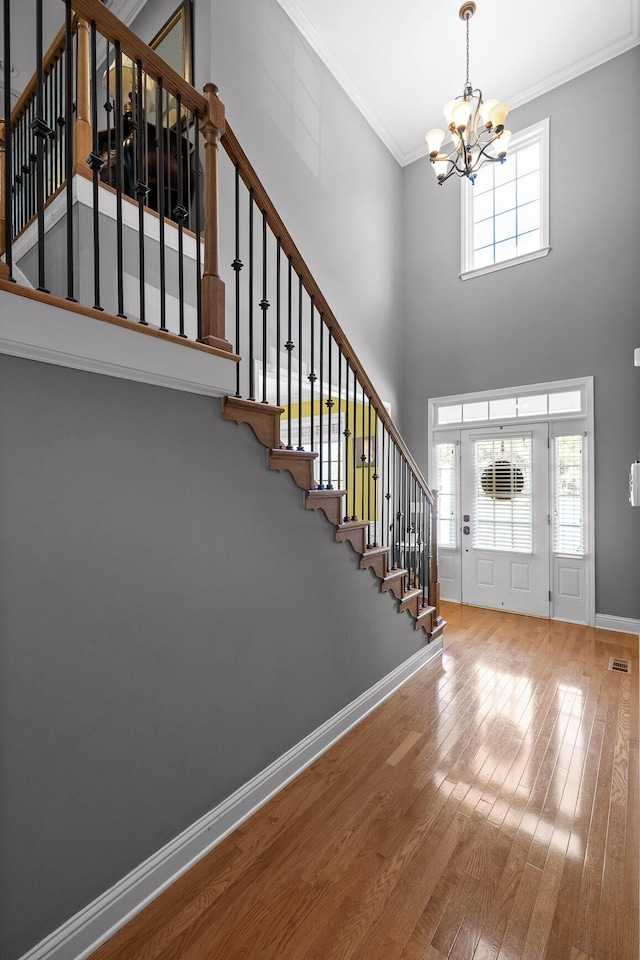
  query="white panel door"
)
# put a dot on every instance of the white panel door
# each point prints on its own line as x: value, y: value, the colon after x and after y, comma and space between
x: 505, y: 519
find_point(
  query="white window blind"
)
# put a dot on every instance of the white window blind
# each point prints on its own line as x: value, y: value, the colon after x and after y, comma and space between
x: 446, y: 486
x: 503, y: 514
x: 568, y: 496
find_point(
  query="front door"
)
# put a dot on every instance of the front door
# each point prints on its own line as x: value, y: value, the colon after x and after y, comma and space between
x: 505, y: 518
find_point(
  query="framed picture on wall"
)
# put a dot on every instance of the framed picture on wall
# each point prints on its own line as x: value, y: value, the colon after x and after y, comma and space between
x: 174, y: 41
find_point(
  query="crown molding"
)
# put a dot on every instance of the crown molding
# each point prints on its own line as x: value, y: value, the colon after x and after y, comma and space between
x: 126, y: 10
x: 306, y: 28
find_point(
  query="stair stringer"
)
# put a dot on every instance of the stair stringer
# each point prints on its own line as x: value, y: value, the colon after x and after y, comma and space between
x: 264, y: 420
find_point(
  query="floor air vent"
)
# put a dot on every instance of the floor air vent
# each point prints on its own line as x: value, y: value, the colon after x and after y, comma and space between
x: 619, y: 666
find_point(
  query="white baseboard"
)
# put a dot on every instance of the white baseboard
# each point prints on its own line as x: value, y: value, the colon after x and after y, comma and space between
x: 619, y: 624
x: 83, y: 933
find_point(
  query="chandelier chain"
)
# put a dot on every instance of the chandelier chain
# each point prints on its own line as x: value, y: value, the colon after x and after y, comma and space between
x: 468, y: 17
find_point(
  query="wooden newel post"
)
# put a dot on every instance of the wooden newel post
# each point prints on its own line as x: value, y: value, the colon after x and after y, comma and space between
x: 434, y: 583
x: 82, y: 133
x: 213, y: 314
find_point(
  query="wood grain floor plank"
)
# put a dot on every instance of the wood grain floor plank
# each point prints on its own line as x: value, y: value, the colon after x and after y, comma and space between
x: 488, y: 810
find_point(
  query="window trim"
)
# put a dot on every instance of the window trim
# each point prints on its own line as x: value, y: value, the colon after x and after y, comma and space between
x: 537, y: 131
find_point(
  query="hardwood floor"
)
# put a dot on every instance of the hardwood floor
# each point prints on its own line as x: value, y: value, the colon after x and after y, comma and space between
x: 487, y: 811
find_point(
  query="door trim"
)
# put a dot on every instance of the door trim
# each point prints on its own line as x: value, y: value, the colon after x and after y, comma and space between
x: 584, y: 419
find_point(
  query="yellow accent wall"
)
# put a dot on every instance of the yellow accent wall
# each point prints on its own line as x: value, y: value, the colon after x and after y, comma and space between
x: 364, y: 474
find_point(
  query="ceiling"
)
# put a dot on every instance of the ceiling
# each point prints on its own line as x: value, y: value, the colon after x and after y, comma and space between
x: 401, y: 60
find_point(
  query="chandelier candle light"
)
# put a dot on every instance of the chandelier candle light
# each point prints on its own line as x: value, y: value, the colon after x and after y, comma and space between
x: 475, y: 126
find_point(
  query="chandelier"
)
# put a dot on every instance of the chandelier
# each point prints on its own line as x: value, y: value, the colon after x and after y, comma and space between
x: 476, y: 126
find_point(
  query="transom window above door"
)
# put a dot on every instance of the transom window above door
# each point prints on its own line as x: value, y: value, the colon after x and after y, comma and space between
x: 556, y: 402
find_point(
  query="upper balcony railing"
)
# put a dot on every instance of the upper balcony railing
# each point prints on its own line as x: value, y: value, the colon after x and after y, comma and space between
x: 103, y: 107
x: 110, y: 197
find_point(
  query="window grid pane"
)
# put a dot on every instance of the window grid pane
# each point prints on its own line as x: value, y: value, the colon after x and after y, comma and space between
x: 446, y: 473
x: 568, y: 497
x: 506, y: 207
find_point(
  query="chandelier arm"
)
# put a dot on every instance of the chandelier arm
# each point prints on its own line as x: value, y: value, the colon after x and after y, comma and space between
x: 483, y: 156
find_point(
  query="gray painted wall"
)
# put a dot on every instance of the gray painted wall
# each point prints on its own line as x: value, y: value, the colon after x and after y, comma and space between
x: 334, y: 183
x: 574, y: 313
x: 173, y: 620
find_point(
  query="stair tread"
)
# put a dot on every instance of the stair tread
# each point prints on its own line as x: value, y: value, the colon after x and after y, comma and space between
x: 375, y: 551
x: 425, y: 611
x: 294, y: 454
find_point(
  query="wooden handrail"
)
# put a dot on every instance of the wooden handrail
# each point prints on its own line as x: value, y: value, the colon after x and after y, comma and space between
x: 113, y: 30
x: 52, y: 54
x: 251, y: 180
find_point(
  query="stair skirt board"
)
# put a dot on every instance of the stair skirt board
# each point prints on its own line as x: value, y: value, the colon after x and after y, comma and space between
x: 89, y: 928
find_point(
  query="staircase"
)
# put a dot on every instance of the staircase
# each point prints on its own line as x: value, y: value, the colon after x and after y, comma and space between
x: 264, y: 420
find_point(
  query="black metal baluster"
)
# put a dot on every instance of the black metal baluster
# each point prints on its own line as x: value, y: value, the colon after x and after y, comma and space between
x: 329, y: 403
x: 368, y: 451
x: 141, y: 189
x: 321, y: 403
x: 363, y: 457
x: 300, y: 444
x: 413, y: 512
x: 289, y: 345
x: 119, y: 135
x: 354, y: 441
x: 278, y: 306
x: 20, y: 173
x: 405, y: 514
x: 108, y: 109
x: 96, y: 163
x: 59, y: 119
x: 47, y: 151
x: 7, y: 186
x: 237, y: 266
x: 251, y: 365
x: 180, y: 212
x: 41, y: 132
x: 338, y: 433
x: 346, y: 434
x: 32, y: 161
x: 161, y: 188
x: 384, y: 486
x: 407, y: 526
x: 264, y: 306
x: 376, y: 476
x: 423, y: 551
x: 198, y: 224
x: 427, y: 548
x: 396, y: 508
x: 16, y: 162
x: 25, y: 167
x: 312, y: 378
